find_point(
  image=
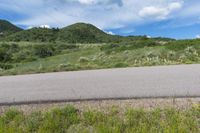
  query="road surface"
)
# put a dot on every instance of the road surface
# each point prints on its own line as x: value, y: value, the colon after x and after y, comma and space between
x: 144, y: 82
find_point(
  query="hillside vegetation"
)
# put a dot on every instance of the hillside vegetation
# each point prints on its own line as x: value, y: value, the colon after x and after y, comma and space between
x: 34, y: 35
x: 76, y: 33
x: 82, y: 33
x: 26, y: 57
x: 83, y: 46
x: 6, y: 28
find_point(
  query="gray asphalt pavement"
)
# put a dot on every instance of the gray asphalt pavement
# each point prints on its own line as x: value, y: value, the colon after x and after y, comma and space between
x: 144, y: 82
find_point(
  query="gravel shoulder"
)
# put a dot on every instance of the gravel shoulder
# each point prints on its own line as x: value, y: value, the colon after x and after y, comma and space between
x: 103, y: 105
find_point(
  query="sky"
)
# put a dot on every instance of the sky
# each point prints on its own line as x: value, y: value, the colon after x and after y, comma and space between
x: 178, y: 19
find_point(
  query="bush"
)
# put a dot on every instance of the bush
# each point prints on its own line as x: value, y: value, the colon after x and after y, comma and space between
x: 44, y: 50
x: 83, y: 59
x: 59, y: 120
x: 66, y: 46
x: 22, y: 55
x: 6, y: 52
x: 119, y: 65
x: 5, y: 55
x: 5, y: 66
x: 128, y: 46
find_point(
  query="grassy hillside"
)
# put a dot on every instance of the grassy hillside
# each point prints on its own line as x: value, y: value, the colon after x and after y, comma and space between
x: 34, y: 35
x: 6, y: 28
x: 27, y: 57
x: 83, y: 46
x: 76, y: 33
x: 82, y: 33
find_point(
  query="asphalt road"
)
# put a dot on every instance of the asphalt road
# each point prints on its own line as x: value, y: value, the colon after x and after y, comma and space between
x: 144, y: 82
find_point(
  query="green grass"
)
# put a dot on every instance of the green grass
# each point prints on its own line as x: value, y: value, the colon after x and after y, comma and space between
x: 72, y: 120
x: 65, y: 57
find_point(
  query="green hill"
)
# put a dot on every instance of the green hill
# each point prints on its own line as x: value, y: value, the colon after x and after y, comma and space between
x: 34, y: 35
x: 75, y: 33
x: 82, y: 33
x: 88, y: 33
x: 6, y: 28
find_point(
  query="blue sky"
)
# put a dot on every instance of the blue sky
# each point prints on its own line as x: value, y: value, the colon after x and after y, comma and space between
x: 167, y: 18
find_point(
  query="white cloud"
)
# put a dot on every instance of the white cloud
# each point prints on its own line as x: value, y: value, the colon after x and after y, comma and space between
x: 149, y: 36
x: 175, y: 6
x: 45, y: 26
x: 198, y: 36
x: 155, y: 12
x: 87, y: 1
x: 29, y: 27
x: 159, y: 12
x: 41, y: 26
x: 110, y: 32
x: 106, y: 14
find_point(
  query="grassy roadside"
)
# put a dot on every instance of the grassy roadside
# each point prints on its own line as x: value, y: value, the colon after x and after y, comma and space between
x: 69, y: 119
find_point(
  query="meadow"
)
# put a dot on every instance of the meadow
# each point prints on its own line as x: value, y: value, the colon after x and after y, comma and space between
x: 28, y: 57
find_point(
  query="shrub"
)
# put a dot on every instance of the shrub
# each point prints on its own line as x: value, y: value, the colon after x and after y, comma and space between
x: 66, y: 46
x: 11, y: 115
x: 83, y: 59
x: 121, y: 64
x: 44, y: 50
x: 5, y: 55
x: 59, y: 120
x: 33, y: 122
x: 64, y: 67
x: 22, y: 55
x: 5, y: 66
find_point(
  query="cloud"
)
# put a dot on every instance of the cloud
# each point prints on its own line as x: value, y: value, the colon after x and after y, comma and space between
x: 41, y: 26
x: 148, y: 36
x: 198, y: 36
x: 45, y: 26
x: 96, y: 2
x: 159, y: 12
x: 174, y: 6
x: 87, y: 1
x: 110, y: 32
x: 29, y: 27
x: 155, y: 12
x: 106, y: 14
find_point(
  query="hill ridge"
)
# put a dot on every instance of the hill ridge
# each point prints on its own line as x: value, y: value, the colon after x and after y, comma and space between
x: 7, y: 28
x: 75, y: 33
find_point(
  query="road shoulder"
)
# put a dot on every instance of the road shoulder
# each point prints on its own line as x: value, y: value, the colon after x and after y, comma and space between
x: 103, y: 105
